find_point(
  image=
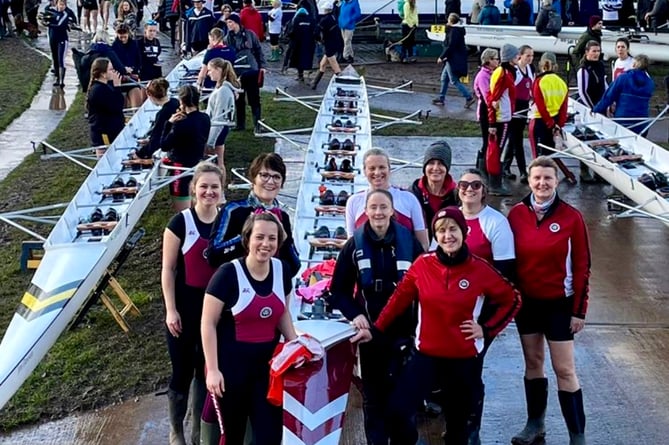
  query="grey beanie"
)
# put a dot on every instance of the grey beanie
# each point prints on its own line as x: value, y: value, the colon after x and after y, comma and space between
x: 440, y: 151
x: 508, y: 53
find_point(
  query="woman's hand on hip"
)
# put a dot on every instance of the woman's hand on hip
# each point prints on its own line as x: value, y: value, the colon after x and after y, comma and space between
x: 471, y: 329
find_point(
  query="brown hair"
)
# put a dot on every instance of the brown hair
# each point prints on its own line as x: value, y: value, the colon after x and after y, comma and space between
x: 201, y: 169
x: 271, y: 161
x: 385, y: 193
x: 247, y: 229
x: 216, y: 34
x: 120, y: 14
x: 98, y: 67
x: 543, y: 161
x: 479, y: 173
x: 227, y: 71
x: 375, y: 151
x: 189, y: 96
x: 158, y: 88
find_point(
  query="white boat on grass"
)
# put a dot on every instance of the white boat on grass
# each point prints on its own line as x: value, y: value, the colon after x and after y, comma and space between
x: 83, y: 243
x: 635, y: 166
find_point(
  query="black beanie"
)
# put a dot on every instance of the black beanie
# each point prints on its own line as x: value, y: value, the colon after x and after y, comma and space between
x: 440, y: 151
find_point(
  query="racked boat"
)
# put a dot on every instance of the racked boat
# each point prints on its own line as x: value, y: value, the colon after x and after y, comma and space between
x: 635, y: 166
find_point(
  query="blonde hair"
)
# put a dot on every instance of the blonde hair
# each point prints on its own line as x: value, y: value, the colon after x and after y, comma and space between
x: 201, y: 169
x: 227, y: 72
x: 543, y: 161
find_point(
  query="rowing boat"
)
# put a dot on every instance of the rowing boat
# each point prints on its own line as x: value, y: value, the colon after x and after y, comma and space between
x: 635, y: 166
x: 83, y: 243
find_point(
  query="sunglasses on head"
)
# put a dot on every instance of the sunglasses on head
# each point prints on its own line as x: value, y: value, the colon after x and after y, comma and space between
x: 475, y: 185
x: 151, y: 23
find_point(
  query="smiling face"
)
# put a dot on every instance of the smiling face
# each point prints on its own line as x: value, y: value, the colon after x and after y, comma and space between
x: 448, y: 235
x: 543, y: 182
x: 377, y: 171
x: 470, y: 189
x: 379, y: 210
x: 266, y: 185
x: 264, y: 241
x: 207, y: 189
x: 435, y: 171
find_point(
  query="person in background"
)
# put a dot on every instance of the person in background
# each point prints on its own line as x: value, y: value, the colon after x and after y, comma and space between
x: 436, y: 188
x: 158, y: 93
x: 551, y: 241
x: 184, y: 278
x: 489, y: 62
x: 104, y: 7
x: 349, y: 14
x: 631, y: 93
x: 104, y: 105
x: 569, y: 12
x: 477, y: 5
x: 169, y: 13
x: 221, y: 24
x: 128, y: 52
x: 149, y: 46
x: 249, y: 51
x: 509, y: 4
x: 448, y: 286
x: 624, y: 61
x: 593, y: 32
x: 591, y: 76
x: 490, y: 14
x: 127, y: 16
x: 452, y: 7
x: 643, y: 8
x: 216, y: 49
x: 221, y: 106
x: 333, y: 43
x: 252, y: 20
x: 454, y: 57
x: 199, y: 21
x: 367, y: 271
x: 184, y: 138
x: 246, y: 310
x: 58, y: 20
x: 302, y: 43
x: 409, y: 29
x: 89, y: 20
x: 549, y: 22
x: 520, y: 11
x: 516, y: 147
x: 274, y: 26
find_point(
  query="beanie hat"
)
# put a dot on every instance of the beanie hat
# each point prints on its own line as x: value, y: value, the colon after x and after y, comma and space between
x: 456, y: 215
x: 594, y: 19
x: 550, y: 57
x: 508, y: 53
x: 440, y: 151
x: 235, y: 18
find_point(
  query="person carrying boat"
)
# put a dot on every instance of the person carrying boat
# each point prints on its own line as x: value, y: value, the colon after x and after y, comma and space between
x: 245, y: 312
x: 551, y: 241
x: 436, y: 188
x: 104, y: 105
x: 184, y: 278
x: 593, y: 32
x: 157, y: 91
x: 624, y: 61
x: 59, y: 20
x: 489, y: 62
x: 367, y: 271
x: 489, y: 237
x: 184, y: 138
x: 221, y: 106
x: 448, y: 337
x: 330, y: 37
x: 149, y: 45
x: 551, y: 97
x: 408, y: 212
x: 631, y: 93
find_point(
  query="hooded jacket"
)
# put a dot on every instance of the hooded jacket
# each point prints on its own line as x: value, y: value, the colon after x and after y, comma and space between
x: 349, y: 14
x: 631, y: 92
x: 455, y: 50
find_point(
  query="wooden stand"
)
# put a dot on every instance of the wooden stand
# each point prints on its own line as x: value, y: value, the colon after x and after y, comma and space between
x: 128, y: 305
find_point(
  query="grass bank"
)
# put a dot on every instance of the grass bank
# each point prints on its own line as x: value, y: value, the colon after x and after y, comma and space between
x: 22, y: 71
x: 96, y: 364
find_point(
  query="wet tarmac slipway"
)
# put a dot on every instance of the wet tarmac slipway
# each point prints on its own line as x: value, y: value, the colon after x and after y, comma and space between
x: 622, y: 355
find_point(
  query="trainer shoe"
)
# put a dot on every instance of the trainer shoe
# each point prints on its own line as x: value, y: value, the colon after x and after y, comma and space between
x: 438, y: 101
x: 471, y: 101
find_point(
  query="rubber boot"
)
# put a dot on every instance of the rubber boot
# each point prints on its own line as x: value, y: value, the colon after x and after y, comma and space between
x: 586, y: 174
x: 474, y: 422
x: 274, y: 57
x: 317, y: 79
x: 210, y: 433
x: 57, y: 82
x: 536, y: 395
x: 480, y: 162
x: 62, y: 77
x: 198, y: 394
x: 177, y: 406
x: 572, y: 411
x: 496, y: 187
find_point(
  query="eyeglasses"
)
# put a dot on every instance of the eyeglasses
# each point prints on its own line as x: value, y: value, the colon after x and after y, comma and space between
x: 475, y: 185
x: 265, y: 177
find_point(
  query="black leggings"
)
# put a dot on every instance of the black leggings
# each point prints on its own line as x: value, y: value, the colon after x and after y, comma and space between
x: 186, y: 354
x: 409, y: 36
x: 249, y: 81
x: 515, y: 146
x: 541, y: 134
x: 58, y: 51
x: 483, y: 120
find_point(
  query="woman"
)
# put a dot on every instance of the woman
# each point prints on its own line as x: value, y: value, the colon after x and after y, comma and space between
x: 104, y: 6
x: 624, y: 61
x: 409, y: 27
x: 333, y: 43
x: 184, y: 278
x: 454, y: 58
x: 216, y: 49
x: 128, y: 53
x: 267, y: 174
x: 550, y: 99
x: 245, y: 312
x: 274, y: 26
x: 436, y: 188
x: 368, y: 268
x: 221, y: 106
x: 169, y: 13
x: 226, y: 10
x: 376, y: 166
x: 489, y: 237
x: 501, y: 102
x: 90, y: 18
x: 104, y: 104
x: 523, y: 85
x: 127, y: 16
x: 158, y: 93
x: 149, y: 46
x: 489, y: 62
x: 58, y: 21
x: 302, y: 43
x: 184, y: 137
x: 551, y: 241
x: 447, y: 286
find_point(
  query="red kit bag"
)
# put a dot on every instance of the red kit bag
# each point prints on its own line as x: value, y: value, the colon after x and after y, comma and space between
x: 493, y: 162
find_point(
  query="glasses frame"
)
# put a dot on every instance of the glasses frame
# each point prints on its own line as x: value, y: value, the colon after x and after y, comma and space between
x: 476, y: 185
x: 265, y: 177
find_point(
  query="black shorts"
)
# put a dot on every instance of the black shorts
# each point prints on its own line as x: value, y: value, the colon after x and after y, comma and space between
x: 180, y: 188
x: 274, y: 39
x: 549, y: 317
x: 91, y: 5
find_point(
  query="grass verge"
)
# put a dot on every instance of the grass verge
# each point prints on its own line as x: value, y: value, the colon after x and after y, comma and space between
x: 96, y: 364
x: 22, y: 71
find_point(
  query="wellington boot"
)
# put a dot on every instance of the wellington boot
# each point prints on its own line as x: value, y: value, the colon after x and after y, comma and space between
x: 62, y: 77
x: 177, y: 406
x: 275, y: 56
x: 496, y: 187
x: 209, y: 433
x: 480, y: 162
x: 536, y: 395
x: 198, y: 394
x: 57, y: 80
x: 571, y: 404
x: 317, y: 79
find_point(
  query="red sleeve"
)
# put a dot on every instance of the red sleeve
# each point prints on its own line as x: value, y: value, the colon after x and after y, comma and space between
x: 505, y: 298
x: 541, y: 104
x: 405, y: 293
x: 496, y: 91
x: 581, y: 262
x: 562, y: 114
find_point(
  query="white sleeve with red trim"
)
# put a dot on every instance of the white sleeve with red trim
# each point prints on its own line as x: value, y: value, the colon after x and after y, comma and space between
x: 497, y: 230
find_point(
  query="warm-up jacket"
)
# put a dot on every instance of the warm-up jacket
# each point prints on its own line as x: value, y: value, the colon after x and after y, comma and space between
x: 631, y: 92
x: 591, y: 82
x: 246, y: 43
x: 550, y: 94
x: 454, y: 50
x: 502, y: 90
x: 104, y: 104
x: 185, y: 139
x: 129, y: 54
x: 552, y: 255
x: 349, y: 14
x: 221, y: 109
x: 198, y: 26
x: 251, y: 19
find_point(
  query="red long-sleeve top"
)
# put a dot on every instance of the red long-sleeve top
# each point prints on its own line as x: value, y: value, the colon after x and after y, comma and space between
x: 550, y: 94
